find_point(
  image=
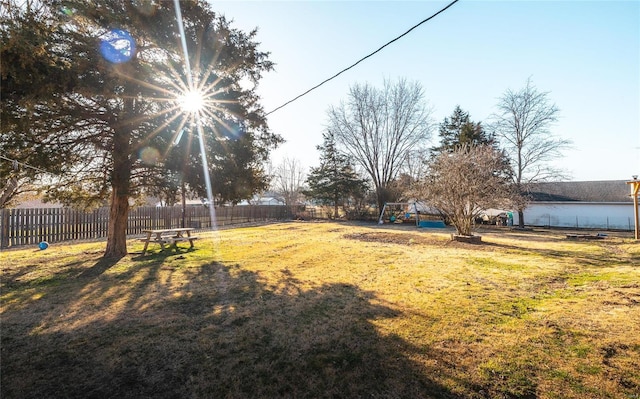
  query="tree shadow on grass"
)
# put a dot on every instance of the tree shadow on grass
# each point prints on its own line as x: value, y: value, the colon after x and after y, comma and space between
x: 210, y: 331
x: 101, y: 266
x: 152, y: 253
x: 611, y: 253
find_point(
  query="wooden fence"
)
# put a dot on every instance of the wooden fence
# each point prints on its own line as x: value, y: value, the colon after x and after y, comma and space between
x: 31, y: 226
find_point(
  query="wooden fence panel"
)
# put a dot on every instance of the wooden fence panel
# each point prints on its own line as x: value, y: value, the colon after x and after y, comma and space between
x: 30, y: 226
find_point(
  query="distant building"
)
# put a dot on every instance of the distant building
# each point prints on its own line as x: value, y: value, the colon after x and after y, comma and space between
x: 584, y: 204
x: 263, y: 200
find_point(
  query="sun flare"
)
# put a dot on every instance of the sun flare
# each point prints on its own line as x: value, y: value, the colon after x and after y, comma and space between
x: 191, y: 101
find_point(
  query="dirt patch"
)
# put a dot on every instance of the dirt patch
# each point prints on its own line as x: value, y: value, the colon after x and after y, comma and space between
x: 402, y: 239
x: 390, y: 238
x: 467, y: 239
x: 418, y: 239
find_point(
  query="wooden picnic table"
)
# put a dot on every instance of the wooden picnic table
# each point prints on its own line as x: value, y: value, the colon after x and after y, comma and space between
x: 168, y: 237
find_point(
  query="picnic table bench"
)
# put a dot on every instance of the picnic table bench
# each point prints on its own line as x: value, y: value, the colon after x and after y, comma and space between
x: 168, y: 237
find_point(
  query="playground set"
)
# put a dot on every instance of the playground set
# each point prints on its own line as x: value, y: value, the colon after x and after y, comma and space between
x: 410, y: 212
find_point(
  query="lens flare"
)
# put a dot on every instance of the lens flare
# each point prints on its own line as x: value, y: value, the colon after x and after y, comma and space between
x: 117, y: 46
x: 149, y: 156
x: 200, y: 99
x: 191, y: 101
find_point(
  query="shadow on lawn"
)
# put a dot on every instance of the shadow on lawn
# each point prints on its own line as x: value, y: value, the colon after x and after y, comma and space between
x: 162, y: 330
x: 610, y: 254
x: 101, y: 266
x: 611, y: 251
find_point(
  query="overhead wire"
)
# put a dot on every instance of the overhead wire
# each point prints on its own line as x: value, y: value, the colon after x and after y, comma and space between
x: 363, y: 58
x: 16, y: 162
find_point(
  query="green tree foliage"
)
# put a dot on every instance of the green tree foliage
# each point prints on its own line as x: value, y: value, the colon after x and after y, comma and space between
x: 93, y: 88
x: 335, y: 181
x: 30, y: 71
x: 458, y: 130
x: 235, y: 166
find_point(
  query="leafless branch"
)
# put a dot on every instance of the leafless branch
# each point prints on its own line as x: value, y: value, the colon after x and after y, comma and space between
x: 380, y: 127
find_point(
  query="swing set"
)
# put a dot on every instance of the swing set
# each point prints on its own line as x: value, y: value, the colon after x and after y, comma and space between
x: 409, y: 212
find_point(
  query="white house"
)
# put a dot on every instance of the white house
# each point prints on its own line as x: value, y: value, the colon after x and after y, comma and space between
x: 263, y: 200
x: 586, y: 204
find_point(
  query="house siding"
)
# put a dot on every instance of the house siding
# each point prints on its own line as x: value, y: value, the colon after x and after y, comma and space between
x: 587, y: 215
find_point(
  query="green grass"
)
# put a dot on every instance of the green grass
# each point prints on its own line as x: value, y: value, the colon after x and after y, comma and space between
x: 312, y: 310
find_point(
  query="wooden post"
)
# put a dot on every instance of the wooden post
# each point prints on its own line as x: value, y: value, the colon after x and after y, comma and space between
x: 4, y: 234
x: 635, y: 188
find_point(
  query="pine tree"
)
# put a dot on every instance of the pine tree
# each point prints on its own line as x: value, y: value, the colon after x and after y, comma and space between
x: 105, y: 102
x: 459, y: 130
x: 335, y: 180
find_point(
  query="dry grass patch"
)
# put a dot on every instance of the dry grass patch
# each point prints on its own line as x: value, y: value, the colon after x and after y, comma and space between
x: 326, y: 310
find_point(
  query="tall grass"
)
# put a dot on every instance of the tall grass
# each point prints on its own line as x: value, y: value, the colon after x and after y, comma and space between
x: 315, y: 310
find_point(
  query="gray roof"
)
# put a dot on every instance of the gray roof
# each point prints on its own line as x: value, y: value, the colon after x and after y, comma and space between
x: 584, y: 191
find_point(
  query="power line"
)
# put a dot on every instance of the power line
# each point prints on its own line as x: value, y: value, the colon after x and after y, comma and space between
x: 16, y: 163
x: 363, y: 58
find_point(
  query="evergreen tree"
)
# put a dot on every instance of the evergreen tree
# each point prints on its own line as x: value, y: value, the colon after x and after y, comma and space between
x: 101, y: 105
x: 30, y: 74
x: 335, y: 180
x: 459, y: 130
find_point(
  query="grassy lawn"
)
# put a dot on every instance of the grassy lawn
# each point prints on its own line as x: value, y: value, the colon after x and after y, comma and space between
x: 319, y: 310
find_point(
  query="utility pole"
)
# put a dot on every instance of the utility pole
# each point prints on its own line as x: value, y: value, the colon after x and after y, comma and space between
x: 635, y: 190
x: 184, y: 202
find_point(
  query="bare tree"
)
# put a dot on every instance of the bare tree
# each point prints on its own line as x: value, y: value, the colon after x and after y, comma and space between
x: 465, y: 182
x: 380, y: 127
x: 523, y: 126
x: 416, y: 164
x: 288, y: 180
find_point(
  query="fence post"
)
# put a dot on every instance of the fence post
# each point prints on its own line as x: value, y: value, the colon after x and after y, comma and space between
x: 4, y: 232
x: 27, y: 226
x: 77, y: 224
x: 26, y: 236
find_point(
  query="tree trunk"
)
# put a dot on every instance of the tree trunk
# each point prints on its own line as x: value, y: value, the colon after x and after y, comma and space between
x: 335, y: 210
x: 521, y: 218
x: 117, y: 230
x: 463, y: 225
x: 380, y: 199
x: 119, y: 210
x: 522, y: 194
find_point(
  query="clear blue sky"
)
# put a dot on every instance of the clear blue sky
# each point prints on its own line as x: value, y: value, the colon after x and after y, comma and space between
x: 585, y: 53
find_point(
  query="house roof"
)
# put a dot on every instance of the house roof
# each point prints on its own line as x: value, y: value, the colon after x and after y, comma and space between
x: 583, y: 191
